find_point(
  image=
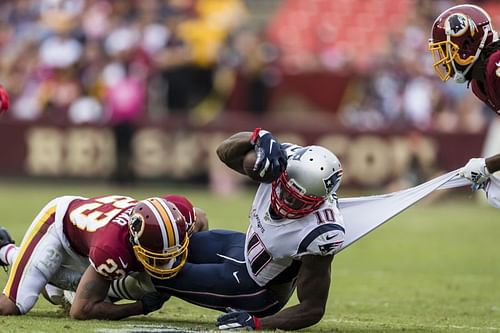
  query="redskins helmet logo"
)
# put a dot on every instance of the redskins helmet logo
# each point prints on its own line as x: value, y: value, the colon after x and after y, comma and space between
x: 136, y: 226
x: 458, y: 24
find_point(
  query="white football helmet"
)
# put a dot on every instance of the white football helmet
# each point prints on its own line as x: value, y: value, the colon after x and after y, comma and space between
x: 312, y: 174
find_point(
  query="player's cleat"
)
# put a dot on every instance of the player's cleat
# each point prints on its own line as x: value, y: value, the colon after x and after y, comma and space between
x: 58, y: 296
x: 5, y: 239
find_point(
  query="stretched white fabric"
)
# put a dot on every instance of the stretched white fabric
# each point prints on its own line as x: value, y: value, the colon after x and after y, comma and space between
x: 364, y: 214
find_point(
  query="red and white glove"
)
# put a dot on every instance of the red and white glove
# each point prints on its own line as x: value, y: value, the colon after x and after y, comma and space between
x: 4, y: 100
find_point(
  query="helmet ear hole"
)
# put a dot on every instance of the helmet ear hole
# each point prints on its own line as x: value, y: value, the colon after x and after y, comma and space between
x: 136, y: 222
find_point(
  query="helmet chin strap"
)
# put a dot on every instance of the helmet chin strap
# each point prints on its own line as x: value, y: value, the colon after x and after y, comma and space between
x: 459, y: 76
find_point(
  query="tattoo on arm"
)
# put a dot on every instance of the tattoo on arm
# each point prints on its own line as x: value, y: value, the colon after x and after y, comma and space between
x: 87, y: 291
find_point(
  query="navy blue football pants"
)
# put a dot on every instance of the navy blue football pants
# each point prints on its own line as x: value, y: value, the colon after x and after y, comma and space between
x: 215, y: 276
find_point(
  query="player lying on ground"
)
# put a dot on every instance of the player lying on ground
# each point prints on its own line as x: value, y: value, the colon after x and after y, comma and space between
x: 116, y: 235
x: 295, y: 229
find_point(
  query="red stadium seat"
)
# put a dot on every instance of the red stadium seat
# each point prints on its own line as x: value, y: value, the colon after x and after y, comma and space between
x: 348, y: 25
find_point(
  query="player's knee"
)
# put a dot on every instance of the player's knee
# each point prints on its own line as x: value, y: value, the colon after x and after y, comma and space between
x: 7, y: 307
x: 49, y: 263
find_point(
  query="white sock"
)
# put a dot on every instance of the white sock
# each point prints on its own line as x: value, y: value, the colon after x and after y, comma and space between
x: 8, y: 254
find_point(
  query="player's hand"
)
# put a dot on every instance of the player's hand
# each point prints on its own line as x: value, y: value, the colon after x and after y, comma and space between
x: 235, y: 319
x: 476, y: 171
x: 271, y: 160
x: 153, y: 301
x: 4, y: 100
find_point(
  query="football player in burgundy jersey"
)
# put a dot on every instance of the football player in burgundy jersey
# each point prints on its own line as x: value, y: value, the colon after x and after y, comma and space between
x: 465, y: 47
x: 116, y: 235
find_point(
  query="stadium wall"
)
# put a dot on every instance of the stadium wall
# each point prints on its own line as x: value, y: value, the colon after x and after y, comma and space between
x: 176, y: 151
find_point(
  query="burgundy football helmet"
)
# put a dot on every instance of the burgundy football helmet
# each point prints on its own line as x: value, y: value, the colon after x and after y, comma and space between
x: 458, y: 36
x: 312, y: 174
x: 158, y: 234
x: 185, y: 207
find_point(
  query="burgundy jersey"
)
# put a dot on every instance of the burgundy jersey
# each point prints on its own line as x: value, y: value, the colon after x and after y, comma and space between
x: 489, y: 92
x: 97, y: 228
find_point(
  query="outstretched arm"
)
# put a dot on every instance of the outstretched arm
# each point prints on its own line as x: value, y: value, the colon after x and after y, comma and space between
x: 493, y: 163
x: 479, y: 170
x: 313, y: 285
x: 312, y: 290
x: 89, y: 300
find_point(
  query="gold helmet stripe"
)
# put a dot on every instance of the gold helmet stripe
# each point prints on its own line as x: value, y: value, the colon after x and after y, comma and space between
x: 177, y: 239
x: 163, y: 219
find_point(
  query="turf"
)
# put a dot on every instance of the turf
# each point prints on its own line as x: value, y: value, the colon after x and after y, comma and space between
x: 434, y: 268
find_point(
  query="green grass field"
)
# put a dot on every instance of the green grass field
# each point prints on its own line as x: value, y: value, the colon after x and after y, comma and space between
x: 434, y: 268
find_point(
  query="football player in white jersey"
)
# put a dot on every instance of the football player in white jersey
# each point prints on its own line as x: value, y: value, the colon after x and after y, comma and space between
x: 295, y: 225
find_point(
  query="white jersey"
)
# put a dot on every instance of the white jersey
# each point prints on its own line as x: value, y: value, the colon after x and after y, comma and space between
x: 493, y: 190
x: 273, y: 247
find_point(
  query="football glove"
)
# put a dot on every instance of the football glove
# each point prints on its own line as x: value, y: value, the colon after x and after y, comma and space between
x: 153, y: 301
x: 235, y: 319
x: 476, y: 171
x: 271, y: 160
x: 4, y: 100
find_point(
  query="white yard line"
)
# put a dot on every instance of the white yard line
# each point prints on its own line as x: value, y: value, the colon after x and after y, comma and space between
x: 153, y: 328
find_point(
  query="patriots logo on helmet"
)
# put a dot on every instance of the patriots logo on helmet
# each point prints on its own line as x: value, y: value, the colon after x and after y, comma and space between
x: 332, y: 181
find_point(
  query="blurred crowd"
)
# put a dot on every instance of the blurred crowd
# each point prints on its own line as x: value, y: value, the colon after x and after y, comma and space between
x: 106, y: 61
x: 103, y: 61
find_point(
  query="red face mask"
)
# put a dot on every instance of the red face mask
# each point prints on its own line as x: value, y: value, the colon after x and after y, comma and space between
x: 287, y: 200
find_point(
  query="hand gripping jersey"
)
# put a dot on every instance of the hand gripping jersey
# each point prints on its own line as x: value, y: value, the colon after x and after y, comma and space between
x: 273, y: 247
x: 489, y: 91
x: 97, y: 228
